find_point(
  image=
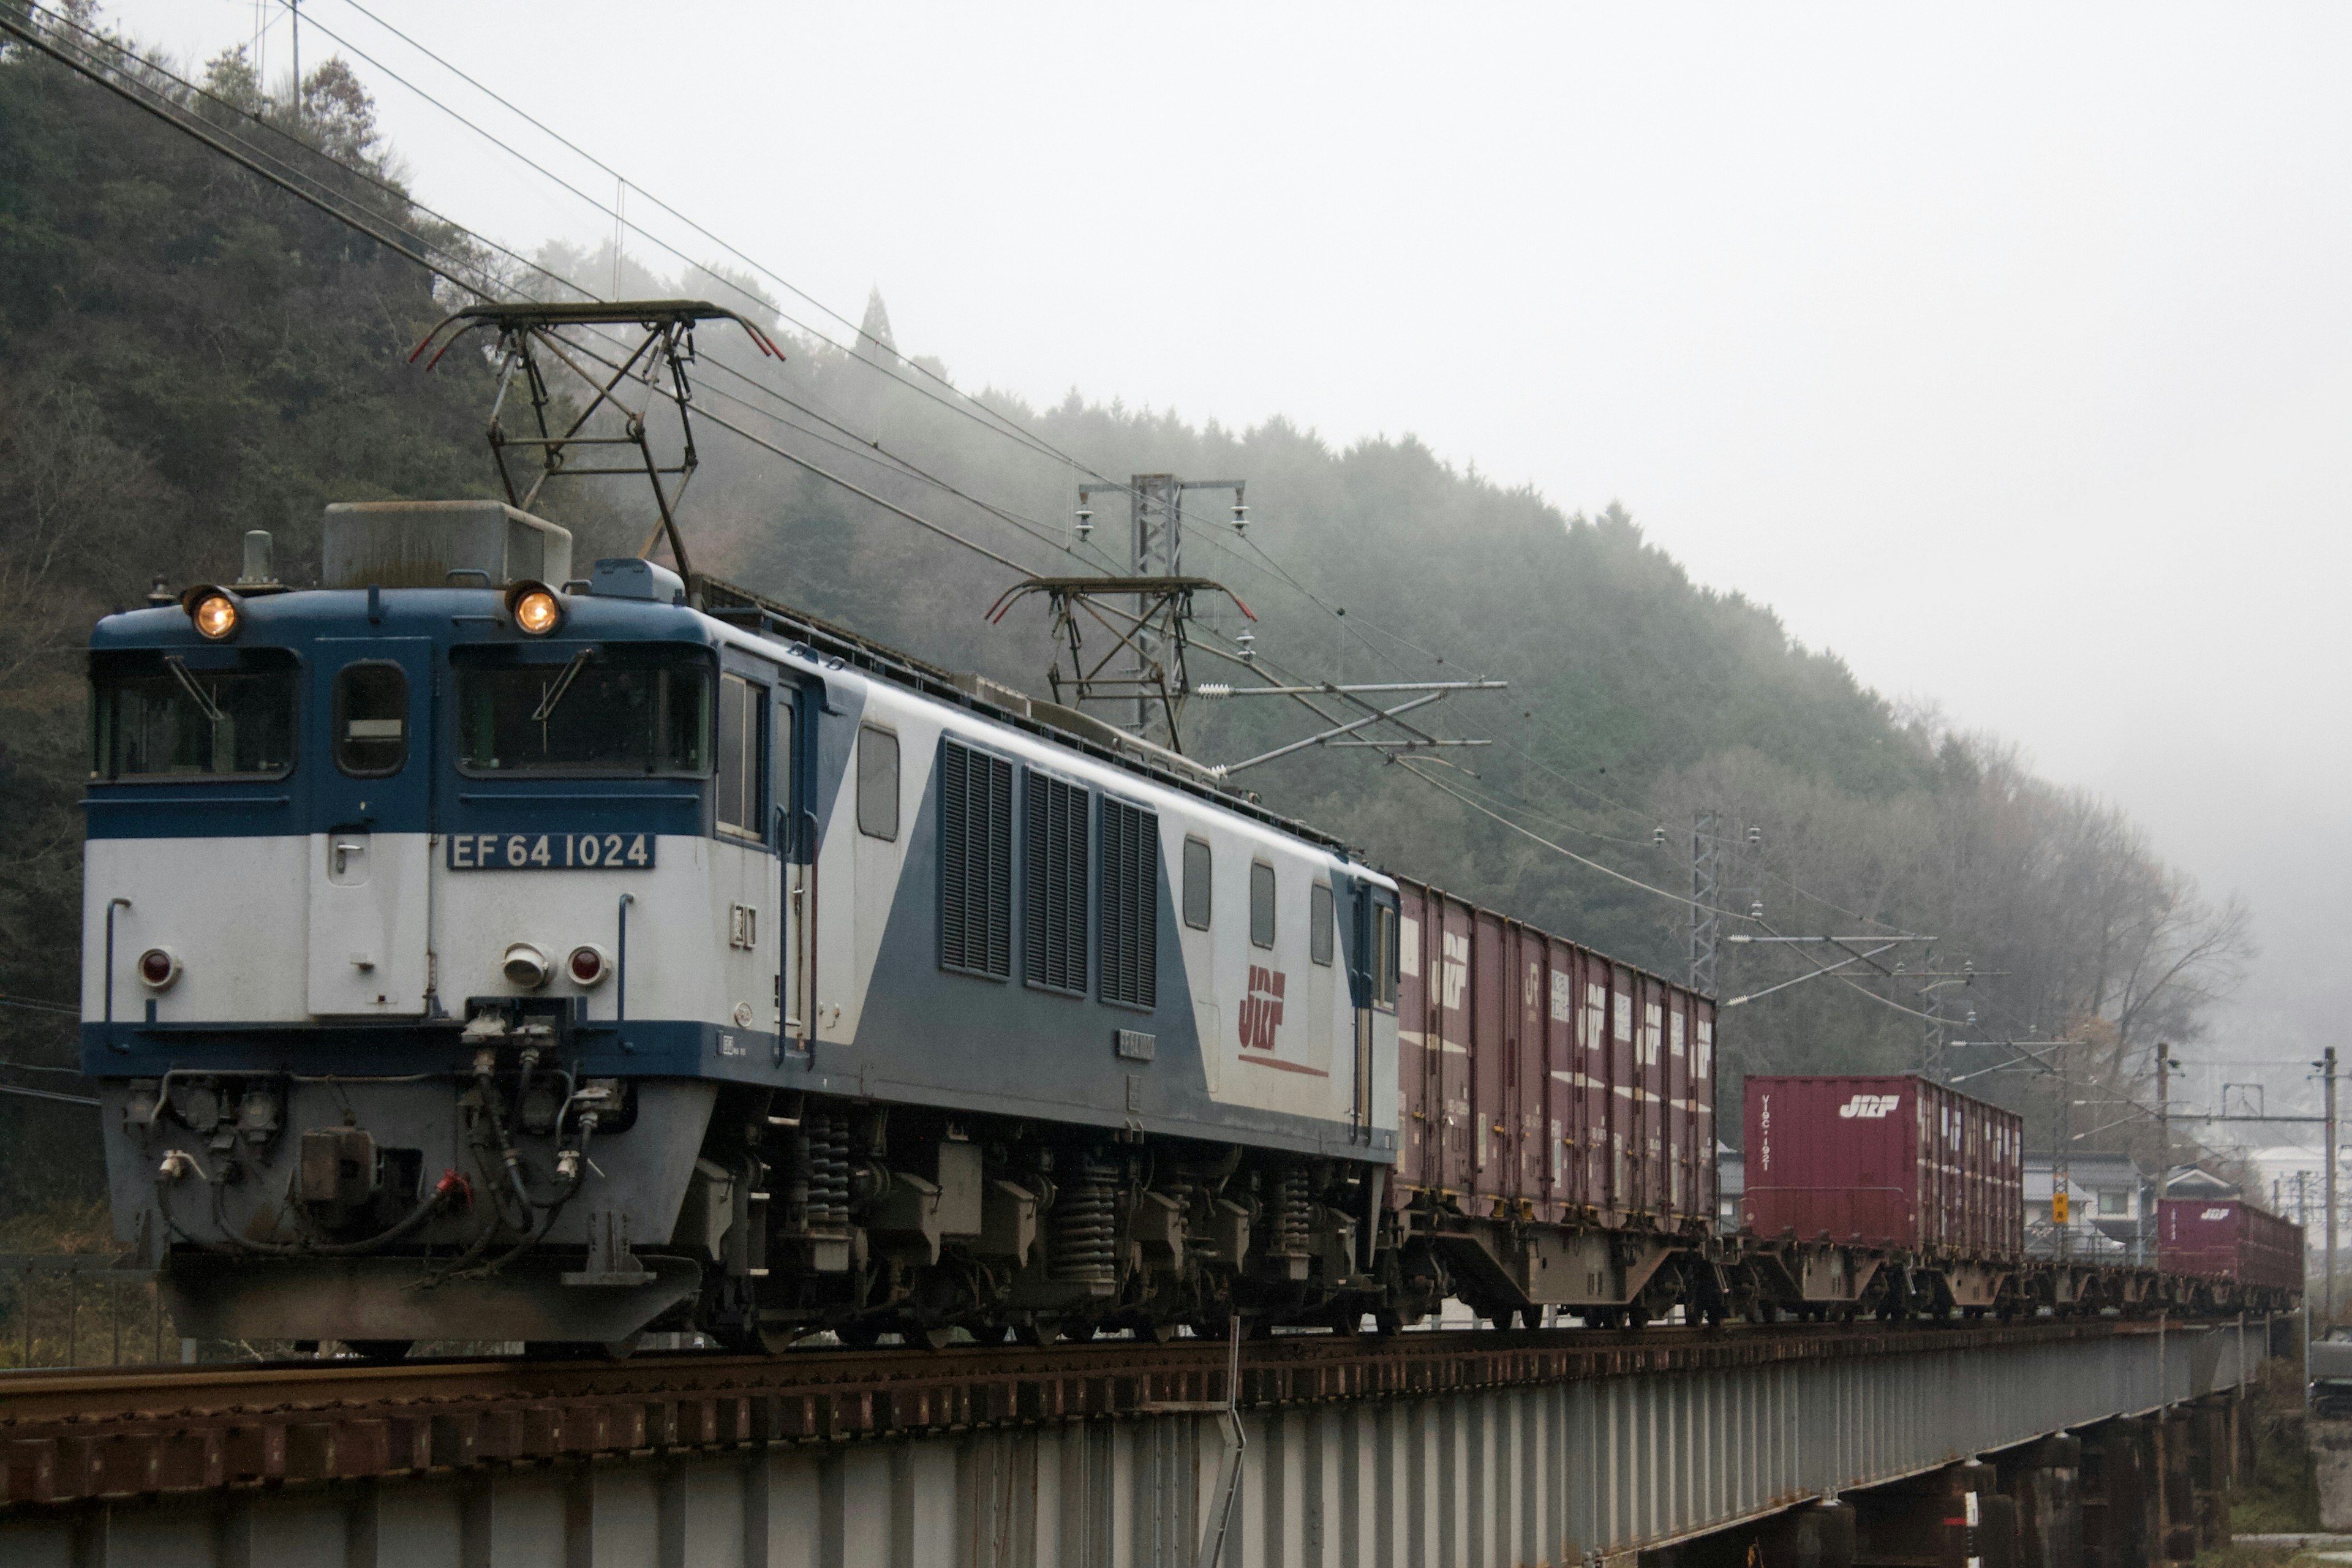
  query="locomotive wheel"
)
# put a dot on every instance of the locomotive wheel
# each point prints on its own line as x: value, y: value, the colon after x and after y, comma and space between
x: 860, y: 1335
x: 380, y: 1349
x: 1387, y: 1320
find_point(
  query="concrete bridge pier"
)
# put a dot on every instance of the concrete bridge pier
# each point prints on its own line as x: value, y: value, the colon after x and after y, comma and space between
x: 2212, y: 1466
x: 1943, y: 1518
x: 1818, y: 1536
x: 1811, y: 1535
x: 2118, y: 1493
x: 2045, y: 1481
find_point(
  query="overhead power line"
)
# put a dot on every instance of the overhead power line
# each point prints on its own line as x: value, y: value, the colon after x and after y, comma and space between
x: 965, y: 402
x: 286, y: 178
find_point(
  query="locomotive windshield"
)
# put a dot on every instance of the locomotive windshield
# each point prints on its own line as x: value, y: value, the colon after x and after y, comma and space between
x: 615, y: 710
x: 207, y: 713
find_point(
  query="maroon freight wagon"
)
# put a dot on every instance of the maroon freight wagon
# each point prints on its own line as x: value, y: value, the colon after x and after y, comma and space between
x: 1883, y: 1162
x: 1541, y: 1080
x: 2227, y: 1238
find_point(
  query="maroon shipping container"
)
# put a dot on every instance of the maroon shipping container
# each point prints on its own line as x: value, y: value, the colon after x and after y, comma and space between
x: 1883, y: 1162
x: 1541, y: 1080
x: 2227, y: 1238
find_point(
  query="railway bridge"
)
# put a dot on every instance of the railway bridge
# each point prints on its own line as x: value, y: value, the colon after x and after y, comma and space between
x: 2090, y: 1442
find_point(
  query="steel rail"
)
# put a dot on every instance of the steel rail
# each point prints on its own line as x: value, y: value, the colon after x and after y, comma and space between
x: 72, y: 1434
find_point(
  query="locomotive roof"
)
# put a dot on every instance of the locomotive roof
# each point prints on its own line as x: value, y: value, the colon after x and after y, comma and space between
x: 291, y: 617
x: 741, y: 607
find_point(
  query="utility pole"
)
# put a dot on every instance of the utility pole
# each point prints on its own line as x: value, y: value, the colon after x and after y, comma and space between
x: 296, y: 7
x: 2163, y: 1118
x: 1706, y: 925
x: 2163, y: 1137
x: 2061, y: 1170
x: 2327, y: 1077
x: 1155, y: 505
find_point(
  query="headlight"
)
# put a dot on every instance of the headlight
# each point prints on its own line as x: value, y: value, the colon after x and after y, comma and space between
x: 535, y: 608
x: 158, y: 967
x: 525, y: 966
x: 588, y: 964
x: 215, y: 610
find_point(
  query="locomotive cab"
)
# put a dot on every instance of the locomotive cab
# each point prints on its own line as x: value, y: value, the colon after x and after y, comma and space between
x: 294, y: 978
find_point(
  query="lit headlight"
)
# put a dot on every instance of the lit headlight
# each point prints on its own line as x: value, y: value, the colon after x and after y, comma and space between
x: 535, y: 608
x: 215, y: 610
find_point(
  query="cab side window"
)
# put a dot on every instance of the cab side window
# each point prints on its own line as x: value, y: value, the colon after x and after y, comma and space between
x: 1261, y: 903
x: 742, y: 707
x: 877, y: 782
x: 1196, y: 883
x: 371, y: 719
x: 1384, y: 956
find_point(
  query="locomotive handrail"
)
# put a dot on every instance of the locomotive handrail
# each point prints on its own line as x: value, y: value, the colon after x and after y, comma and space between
x: 112, y: 905
x: 621, y: 966
x: 179, y: 802
x: 807, y: 937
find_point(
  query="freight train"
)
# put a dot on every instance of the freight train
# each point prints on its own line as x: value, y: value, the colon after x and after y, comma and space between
x: 475, y: 951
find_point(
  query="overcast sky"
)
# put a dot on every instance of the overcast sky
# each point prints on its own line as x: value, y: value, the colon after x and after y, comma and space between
x: 2006, y: 351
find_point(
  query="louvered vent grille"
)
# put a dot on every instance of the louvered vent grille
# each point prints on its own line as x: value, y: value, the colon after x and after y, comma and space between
x: 1130, y: 905
x: 975, y: 862
x: 1056, y: 952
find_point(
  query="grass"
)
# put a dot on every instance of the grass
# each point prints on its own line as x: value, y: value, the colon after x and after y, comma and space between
x: 55, y: 1320
x: 2240, y: 1556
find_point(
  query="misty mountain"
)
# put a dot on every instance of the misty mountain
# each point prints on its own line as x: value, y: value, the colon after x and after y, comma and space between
x: 185, y: 352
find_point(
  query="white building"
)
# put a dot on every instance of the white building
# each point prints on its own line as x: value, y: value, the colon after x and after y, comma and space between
x: 2111, y: 1208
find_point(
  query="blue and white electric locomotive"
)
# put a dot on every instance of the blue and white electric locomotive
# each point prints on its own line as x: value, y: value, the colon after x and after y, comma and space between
x: 476, y: 953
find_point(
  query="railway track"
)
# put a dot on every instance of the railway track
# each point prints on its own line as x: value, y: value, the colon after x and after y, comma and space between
x: 72, y: 1434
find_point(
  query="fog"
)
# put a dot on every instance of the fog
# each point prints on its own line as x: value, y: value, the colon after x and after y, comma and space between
x: 2006, y: 353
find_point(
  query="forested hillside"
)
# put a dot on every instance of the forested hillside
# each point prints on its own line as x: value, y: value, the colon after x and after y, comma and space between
x: 186, y: 352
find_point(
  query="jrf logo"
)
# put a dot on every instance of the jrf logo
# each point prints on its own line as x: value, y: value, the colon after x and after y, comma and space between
x: 1261, y: 1013
x: 1454, y: 978
x: 1870, y: 1107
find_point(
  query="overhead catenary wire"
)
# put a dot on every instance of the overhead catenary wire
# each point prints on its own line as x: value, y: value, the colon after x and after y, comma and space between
x: 254, y: 161
x: 242, y: 153
x: 1001, y: 425
x: 24, y: 1092
x: 35, y: 1004
x: 1409, y: 764
x: 963, y: 402
x: 248, y: 156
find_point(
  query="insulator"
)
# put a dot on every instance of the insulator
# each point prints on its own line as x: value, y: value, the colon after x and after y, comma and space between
x: 1756, y: 911
x: 1659, y: 837
x: 1754, y: 835
x: 1084, y: 1227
